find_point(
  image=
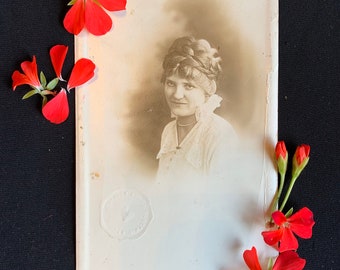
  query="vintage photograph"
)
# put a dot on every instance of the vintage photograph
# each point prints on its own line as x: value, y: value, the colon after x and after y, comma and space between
x: 197, y: 140
x: 173, y: 136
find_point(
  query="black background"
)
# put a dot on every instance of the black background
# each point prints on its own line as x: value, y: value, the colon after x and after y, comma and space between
x: 37, y: 159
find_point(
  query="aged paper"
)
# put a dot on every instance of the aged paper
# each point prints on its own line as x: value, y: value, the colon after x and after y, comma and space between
x: 162, y: 186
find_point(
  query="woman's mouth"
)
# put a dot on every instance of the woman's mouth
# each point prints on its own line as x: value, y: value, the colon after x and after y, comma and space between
x: 176, y: 102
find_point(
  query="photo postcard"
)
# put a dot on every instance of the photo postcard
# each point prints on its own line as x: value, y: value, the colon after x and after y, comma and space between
x: 176, y: 135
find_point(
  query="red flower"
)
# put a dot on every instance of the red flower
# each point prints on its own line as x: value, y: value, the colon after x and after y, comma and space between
x: 281, y: 157
x: 300, y: 159
x: 58, y: 55
x: 90, y: 14
x: 301, y: 153
x: 300, y: 223
x: 82, y: 72
x: 30, y: 75
x: 288, y: 260
x: 280, y: 150
x: 57, y: 110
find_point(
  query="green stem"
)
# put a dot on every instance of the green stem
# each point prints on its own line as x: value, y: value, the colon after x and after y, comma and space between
x: 278, y: 193
x: 291, y: 184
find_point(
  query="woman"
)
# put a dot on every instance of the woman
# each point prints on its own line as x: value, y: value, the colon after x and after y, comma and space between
x: 198, y: 141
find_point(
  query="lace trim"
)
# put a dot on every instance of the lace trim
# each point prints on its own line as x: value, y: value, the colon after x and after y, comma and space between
x: 213, y: 102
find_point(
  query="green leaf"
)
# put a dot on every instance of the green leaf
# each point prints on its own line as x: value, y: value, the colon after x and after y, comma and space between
x: 42, y: 79
x: 52, y: 84
x: 71, y: 2
x: 289, y: 213
x: 30, y: 93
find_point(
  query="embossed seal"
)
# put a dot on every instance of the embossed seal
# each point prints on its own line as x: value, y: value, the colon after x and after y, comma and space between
x: 125, y: 214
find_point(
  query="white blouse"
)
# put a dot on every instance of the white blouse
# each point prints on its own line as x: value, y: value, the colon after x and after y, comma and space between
x: 203, y: 152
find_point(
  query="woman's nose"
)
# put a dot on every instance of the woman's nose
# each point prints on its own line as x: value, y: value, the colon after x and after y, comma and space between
x: 179, y: 92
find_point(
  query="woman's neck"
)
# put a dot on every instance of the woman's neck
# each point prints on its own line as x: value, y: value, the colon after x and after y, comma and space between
x: 184, y: 121
x: 184, y: 125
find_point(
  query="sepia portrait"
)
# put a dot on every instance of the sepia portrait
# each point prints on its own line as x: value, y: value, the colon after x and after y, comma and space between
x: 173, y: 135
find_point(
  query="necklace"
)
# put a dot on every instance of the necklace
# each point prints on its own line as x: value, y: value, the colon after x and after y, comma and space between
x: 186, y: 125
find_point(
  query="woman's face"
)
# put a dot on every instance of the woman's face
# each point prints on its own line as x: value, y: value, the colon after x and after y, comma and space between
x: 183, y: 95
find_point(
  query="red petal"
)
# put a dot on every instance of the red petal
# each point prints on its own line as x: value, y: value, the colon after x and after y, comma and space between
x: 82, y: 71
x: 19, y: 79
x: 288, y: 241
x: 30, y: 70
x: 74, y: 20
x: 251, y: 259
x: 113, y: 5
x: 57, y: 110
x: 272, y: 237
x: 57, y: 55
x: 279, y: 218
x: 97, y: 21
x: 289, y: 260
x: 302, y: 222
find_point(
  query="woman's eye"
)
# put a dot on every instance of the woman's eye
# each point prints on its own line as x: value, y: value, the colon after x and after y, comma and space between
x: 170, y: 83
x: 189, y: 86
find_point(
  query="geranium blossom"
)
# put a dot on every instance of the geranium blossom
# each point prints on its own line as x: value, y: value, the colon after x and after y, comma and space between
x: 300, y: 223
x: 288, y: 260
x: 30, y: 75
x: 285, y: 227
x: 91, y: 15
x: 300, y: 159
x: 301, y: 153
x: 280, y: 150
x: 55, y: 105
x: 281, y: 155
x: 57, y: 109
x: 30, y: 69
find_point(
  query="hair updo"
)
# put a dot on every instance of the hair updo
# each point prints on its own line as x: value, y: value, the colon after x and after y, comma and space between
x: 193, y: 59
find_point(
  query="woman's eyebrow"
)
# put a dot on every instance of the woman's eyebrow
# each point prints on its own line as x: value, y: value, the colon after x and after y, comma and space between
x: 191, y: 82
x: 168, y: 81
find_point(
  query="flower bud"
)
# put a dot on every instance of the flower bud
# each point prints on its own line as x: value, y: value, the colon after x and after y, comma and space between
x: 300, y: 159
x: 281, y: 157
